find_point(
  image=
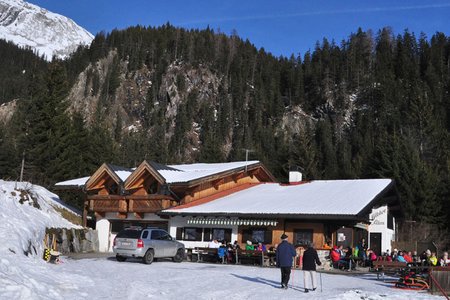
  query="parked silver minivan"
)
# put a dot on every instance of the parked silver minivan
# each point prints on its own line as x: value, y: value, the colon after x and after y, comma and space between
x: 148, y: 243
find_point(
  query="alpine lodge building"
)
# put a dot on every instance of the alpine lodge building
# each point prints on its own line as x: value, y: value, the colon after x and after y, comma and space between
x: 238, y: 201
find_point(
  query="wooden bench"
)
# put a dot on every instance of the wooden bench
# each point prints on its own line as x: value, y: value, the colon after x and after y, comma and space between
x: 256, y: 257
x: 202, y: 253
x: 381, y: 267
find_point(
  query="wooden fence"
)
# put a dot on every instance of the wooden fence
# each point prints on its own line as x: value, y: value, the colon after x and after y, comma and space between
x: 440, y: 280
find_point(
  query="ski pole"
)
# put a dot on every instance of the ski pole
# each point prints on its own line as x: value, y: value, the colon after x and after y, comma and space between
x: 320, y: 274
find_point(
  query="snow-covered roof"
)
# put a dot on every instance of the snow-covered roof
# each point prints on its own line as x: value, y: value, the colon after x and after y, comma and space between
x: 321, y: 197
x: 78, y: 182
x: 171, y: 173
x: 189, y: 172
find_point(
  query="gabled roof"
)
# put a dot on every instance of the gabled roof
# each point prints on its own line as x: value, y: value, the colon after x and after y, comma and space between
x: 347, y: 198
x: 186, y: 174
x: 150, y: 167
x: 117, y: 173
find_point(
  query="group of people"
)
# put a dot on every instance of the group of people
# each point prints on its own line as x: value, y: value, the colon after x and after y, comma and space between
x: 340, y: 256
x: 226, y: 250
x: 344, y: 258
x: 427, y: 258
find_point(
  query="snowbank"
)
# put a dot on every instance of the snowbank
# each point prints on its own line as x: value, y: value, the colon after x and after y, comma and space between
x: 25, y: 211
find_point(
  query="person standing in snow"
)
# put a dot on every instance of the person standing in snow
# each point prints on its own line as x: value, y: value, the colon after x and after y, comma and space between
x: 310, y: 259
x: 284, y: 255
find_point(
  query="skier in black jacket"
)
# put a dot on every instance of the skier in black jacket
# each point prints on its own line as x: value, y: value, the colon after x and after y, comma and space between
x: 310, y: 259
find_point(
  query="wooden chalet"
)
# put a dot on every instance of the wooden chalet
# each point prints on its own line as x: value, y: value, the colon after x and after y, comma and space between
x: 236, y: 201
x: 125, y: 196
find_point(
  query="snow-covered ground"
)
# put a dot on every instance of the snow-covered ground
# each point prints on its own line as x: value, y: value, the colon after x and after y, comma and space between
x: 30, y: 277
x: 105, y: 278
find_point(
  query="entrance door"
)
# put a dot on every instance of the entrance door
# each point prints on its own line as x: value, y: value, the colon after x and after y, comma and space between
x: 375, y: 242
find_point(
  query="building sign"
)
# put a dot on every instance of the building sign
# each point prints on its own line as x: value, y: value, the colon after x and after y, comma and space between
x: 376, y: 217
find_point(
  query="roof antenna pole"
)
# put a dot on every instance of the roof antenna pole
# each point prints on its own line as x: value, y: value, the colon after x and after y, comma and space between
x: 246, y: 157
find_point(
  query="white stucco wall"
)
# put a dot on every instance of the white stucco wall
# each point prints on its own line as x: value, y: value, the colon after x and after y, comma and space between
x: 379, y: 217
x: 103, y: 228
x: 106, y: 238
x: 178, y: 221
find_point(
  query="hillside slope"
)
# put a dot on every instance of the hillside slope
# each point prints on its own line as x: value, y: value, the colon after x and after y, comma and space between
x: 25, y: 212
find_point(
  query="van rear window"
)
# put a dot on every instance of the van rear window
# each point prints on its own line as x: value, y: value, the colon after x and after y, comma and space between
x: 130, y: 234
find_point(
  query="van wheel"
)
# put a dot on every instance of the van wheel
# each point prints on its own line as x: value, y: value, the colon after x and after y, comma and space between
x: 179, y: 256
x: 148, y: 257
x: 120, y: 258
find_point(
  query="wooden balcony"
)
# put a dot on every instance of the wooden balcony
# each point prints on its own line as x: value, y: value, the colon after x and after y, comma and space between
x: 129, y: 204
x: 119, y: 205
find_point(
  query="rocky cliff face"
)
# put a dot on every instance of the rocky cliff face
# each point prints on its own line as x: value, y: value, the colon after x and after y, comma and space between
x: 48, y: 33
x: 130, y: 103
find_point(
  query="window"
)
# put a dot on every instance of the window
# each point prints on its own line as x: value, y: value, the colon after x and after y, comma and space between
x: 303, y: 236
x: 192, y: 234
x: 156, y: 235
x: 145, y: 234
x: 390, y: 221
x: 129, y: 233
x: 153, y: 188
x: 221, y: 234
x: 165, y: 235
x: 257, y: 235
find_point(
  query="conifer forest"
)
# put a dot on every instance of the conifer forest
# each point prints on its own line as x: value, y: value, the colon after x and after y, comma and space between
x: 376, y: 105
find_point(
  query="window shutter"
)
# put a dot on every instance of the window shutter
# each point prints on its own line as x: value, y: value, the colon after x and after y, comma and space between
x: 179, y: 233
x: 268, y: 237
x: 228, y: 235
x: 246, y: 235
x: 207, y: 236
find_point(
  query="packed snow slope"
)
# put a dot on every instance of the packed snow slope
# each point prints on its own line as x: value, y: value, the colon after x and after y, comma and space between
x: 26, y: 210
x: 28, y: 25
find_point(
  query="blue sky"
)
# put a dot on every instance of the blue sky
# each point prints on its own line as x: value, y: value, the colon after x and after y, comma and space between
x: 281, y: 27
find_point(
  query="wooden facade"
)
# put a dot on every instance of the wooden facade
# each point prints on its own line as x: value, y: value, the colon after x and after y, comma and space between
x: 144, y: 190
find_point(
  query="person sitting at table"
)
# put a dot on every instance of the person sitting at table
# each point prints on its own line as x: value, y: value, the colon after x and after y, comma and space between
x: 214, y: 244
x: 236, y: 245
x: 261, y: 247
x: 230, y: 253
x: 222, y: 253
x: 349, y: 258
x: 400, y: 257
x: 415, y: 258
x: 249, y: 246
x: 408, y: 256
x: 335, y: 256
x: 338, y: 258
x: 371, y: 257
x: 433, y: 259
x: 444, y: 261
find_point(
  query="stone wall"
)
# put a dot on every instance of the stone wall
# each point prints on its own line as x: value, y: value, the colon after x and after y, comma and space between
x: 74, y: 240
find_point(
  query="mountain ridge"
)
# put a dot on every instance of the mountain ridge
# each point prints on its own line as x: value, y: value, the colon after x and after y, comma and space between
x: 52, y: 34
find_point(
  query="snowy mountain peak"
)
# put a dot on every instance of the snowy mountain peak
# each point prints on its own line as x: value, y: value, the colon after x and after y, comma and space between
x: 50, y: 34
